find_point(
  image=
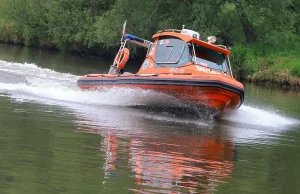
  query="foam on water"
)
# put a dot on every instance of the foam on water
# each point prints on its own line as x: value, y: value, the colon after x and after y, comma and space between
x: 113, y: 96
x: 254, y: 116
x: 49, y: 85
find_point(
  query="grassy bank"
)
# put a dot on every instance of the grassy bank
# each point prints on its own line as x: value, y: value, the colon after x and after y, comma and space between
x: 261, y: 63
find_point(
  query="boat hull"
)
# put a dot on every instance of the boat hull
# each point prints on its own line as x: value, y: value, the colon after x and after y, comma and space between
x: 208, y: 92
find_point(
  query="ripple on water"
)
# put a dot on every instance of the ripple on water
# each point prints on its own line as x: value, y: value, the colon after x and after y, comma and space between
x: 158, y: 149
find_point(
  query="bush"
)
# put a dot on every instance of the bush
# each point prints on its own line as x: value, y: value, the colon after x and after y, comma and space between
x: 264, y: 62
x: 8, y: 33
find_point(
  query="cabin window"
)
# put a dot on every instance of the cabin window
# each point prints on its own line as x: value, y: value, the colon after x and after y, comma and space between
x: 171, y: 52
x: 210, y: 58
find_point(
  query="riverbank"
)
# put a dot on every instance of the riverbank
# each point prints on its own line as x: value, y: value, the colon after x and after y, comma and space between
x: 266, y: 49
x: 267, y: 64
x: 276, y: 64
x: 261, y: 65
x: 282, y: 78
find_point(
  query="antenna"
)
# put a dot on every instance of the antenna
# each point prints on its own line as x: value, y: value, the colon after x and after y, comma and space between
x: 183, y: 27
x: 124, y: 28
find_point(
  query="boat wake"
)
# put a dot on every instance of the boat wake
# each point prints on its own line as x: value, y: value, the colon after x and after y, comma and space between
x: 29, y: 80
x: 253, y: 116
x: 32, y: 83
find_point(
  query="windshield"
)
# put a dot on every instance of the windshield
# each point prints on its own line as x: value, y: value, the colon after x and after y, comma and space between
x: 210, y: 58
x: 171, y: 52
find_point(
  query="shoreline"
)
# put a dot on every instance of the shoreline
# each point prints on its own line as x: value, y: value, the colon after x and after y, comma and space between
x: 282, y: 79
x: 271, y: 83
x: 279, y: 78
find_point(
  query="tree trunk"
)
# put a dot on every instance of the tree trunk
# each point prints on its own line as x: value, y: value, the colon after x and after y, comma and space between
x: 247, y: 26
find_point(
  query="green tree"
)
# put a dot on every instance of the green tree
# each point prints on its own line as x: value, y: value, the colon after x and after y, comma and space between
x: 29, y: 19
x: 84, y: 24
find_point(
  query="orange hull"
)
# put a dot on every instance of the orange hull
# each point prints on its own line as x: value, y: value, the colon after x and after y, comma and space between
x: 212, y: 91
x: 177, y: 63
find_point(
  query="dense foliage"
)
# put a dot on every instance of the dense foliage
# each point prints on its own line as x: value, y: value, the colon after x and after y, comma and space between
x: 86, y: 25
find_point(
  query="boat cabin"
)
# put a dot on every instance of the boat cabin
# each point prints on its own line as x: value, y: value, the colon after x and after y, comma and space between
x: 174, y: 52
x: 178, y: 49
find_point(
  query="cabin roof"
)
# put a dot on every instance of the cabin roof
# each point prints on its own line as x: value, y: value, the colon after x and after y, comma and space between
x: 187, y: 38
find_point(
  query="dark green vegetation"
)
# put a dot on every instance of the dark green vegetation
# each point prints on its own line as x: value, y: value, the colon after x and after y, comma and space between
x: 264, y: 34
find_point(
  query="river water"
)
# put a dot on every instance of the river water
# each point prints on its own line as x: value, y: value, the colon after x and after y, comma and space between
x: 56, y: 138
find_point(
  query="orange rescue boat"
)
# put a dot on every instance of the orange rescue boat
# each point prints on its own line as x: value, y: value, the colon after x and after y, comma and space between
x: 177, y: 63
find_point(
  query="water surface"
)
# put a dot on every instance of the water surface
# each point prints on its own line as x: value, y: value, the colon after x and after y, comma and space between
x: 56, y: 138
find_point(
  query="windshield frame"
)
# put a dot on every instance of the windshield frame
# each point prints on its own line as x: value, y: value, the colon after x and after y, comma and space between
x: 174, y: 46
x: 178, y: 58
x: 225, y: 67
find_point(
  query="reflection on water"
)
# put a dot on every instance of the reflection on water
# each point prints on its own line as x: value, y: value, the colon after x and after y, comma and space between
x: 58, y: 139
x: 169, y: 161
x: 190, y: 156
